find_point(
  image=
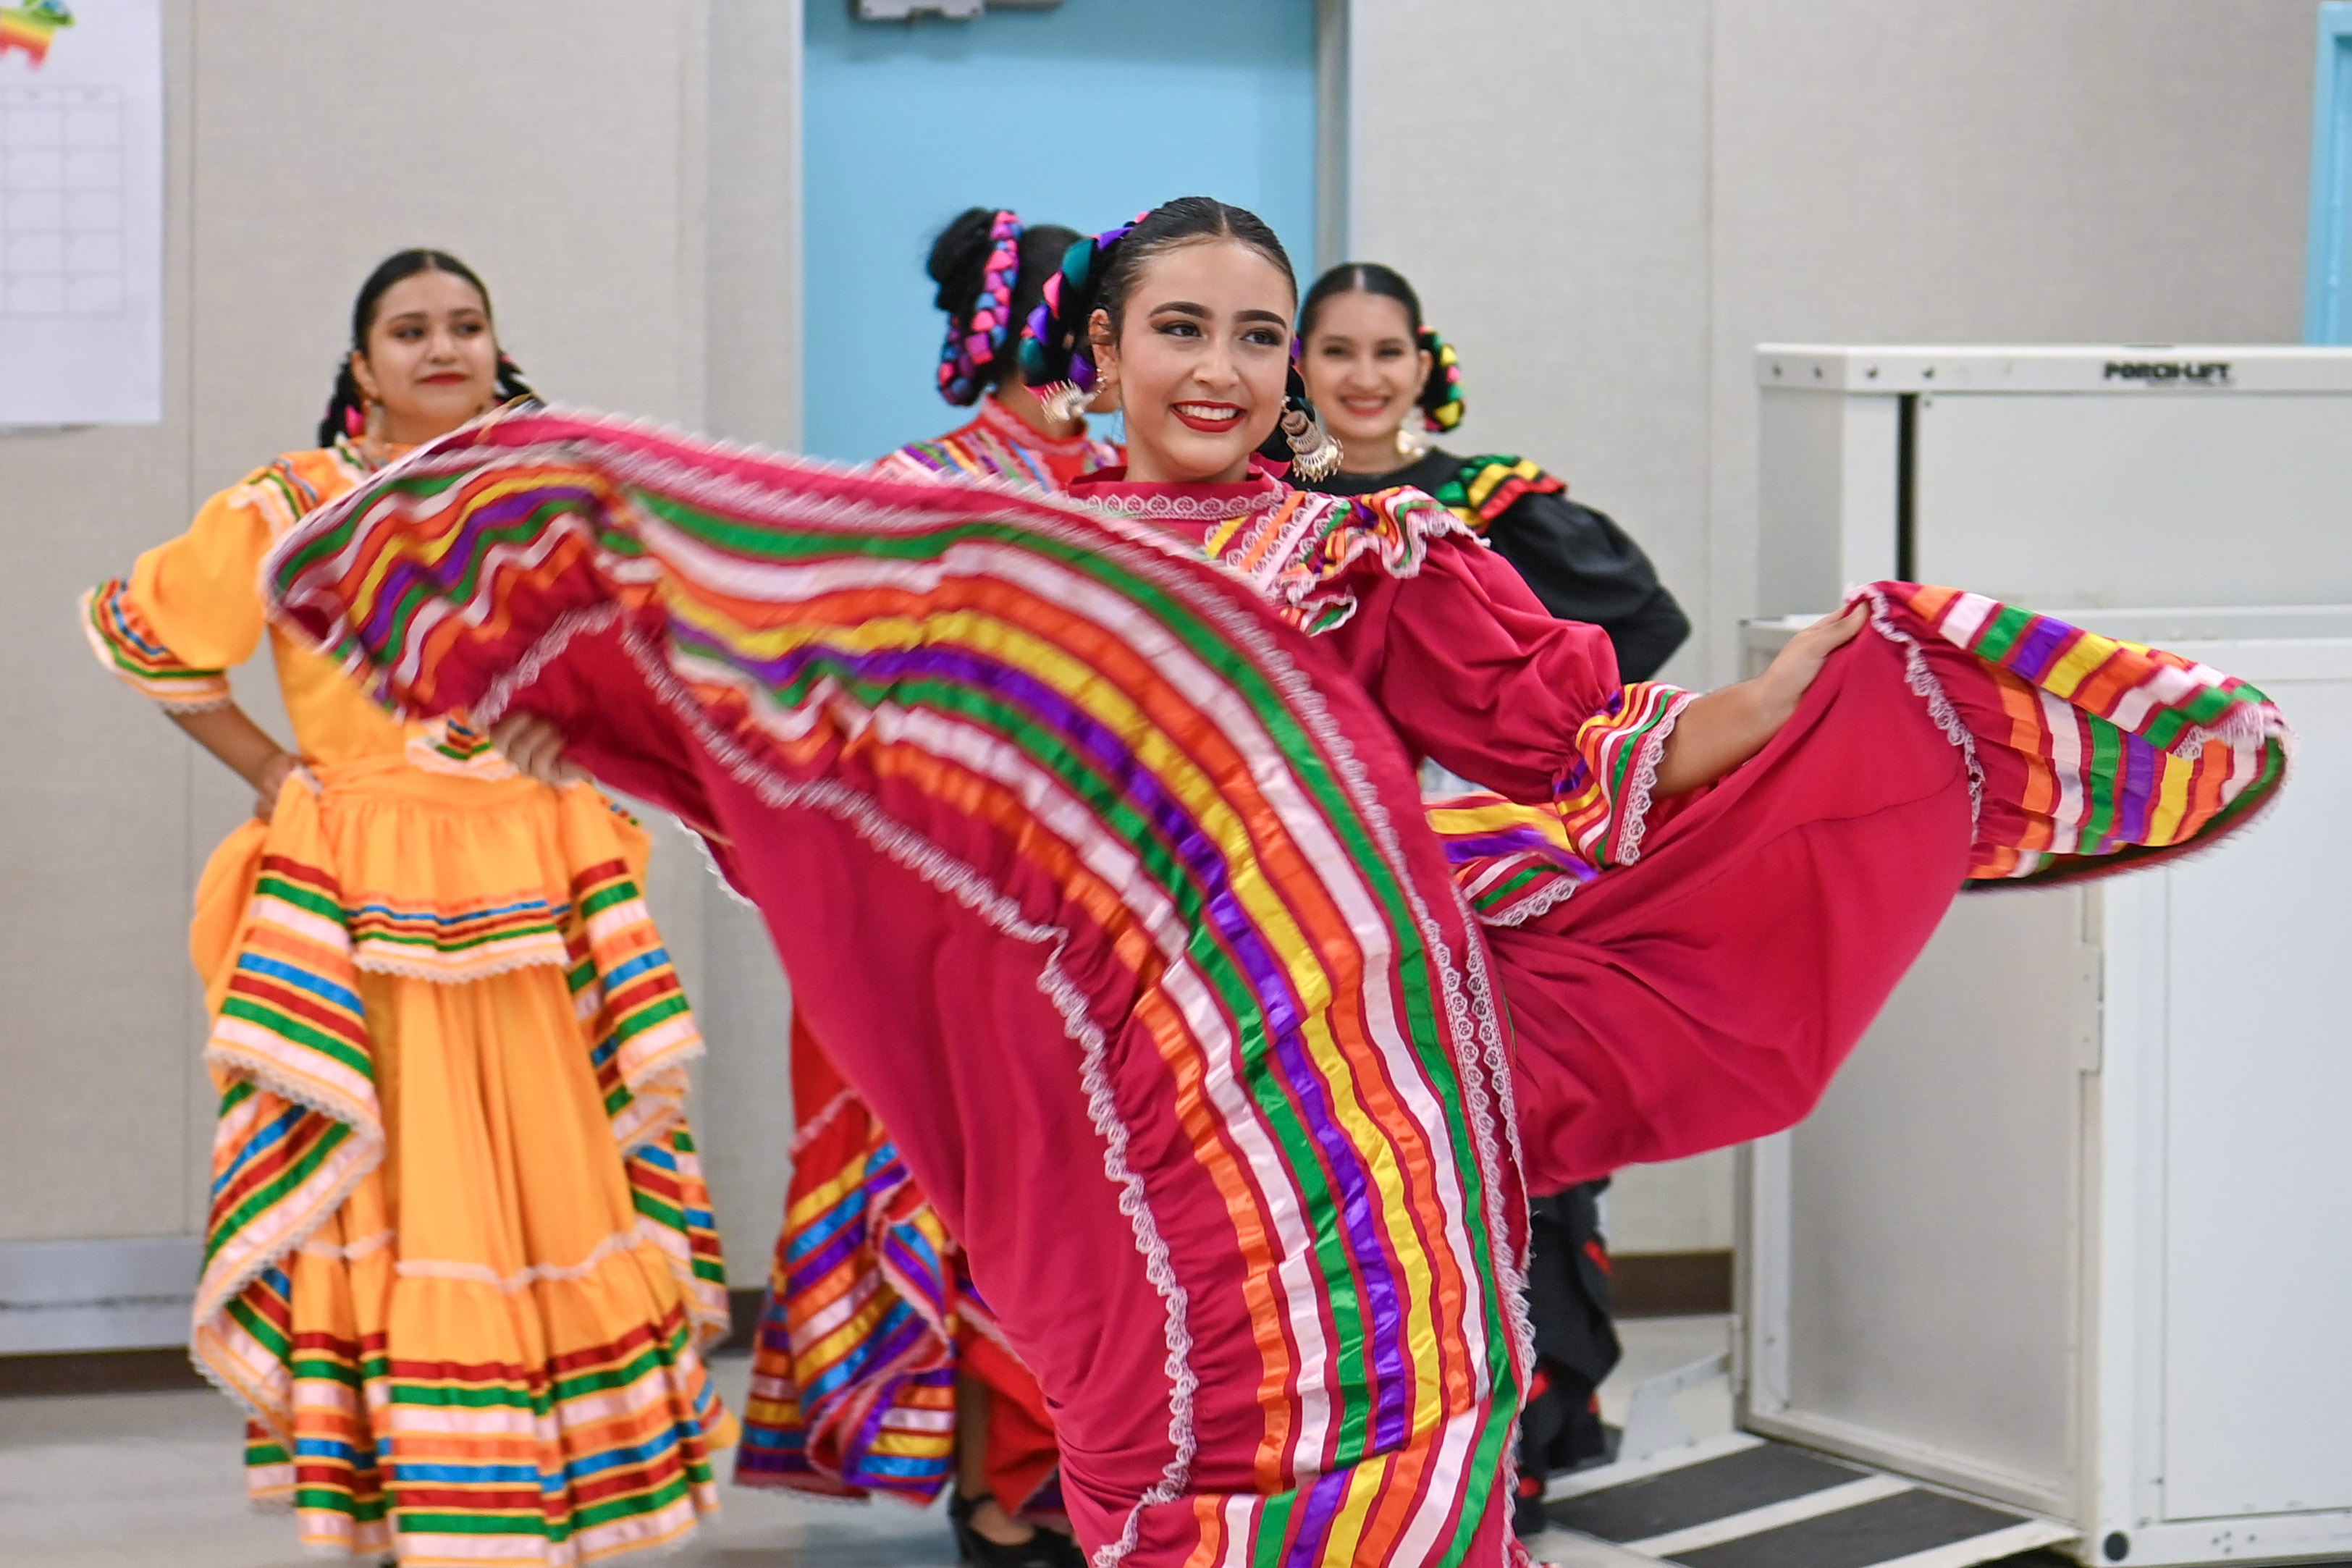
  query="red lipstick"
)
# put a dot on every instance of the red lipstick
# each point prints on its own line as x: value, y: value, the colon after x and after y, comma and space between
x: 1209, y: 419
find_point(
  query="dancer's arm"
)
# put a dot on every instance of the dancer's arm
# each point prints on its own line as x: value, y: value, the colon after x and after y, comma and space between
x: 1473, y: 671
x: 188, y: 613
x: 230, y: 733
x: 536, y: 746
x: 1726, y: 727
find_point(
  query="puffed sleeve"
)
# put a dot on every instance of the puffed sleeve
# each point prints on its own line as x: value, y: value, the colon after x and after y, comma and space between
x: 1583, y: 567
x: 1475, y: 673
x: 191, y: 609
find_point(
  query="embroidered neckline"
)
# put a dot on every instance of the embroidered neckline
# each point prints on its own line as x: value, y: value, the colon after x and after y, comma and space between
x: 360, y: 461
x: 1112, y: 490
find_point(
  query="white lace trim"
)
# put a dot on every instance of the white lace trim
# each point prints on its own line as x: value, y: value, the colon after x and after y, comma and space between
x: 196, y: 705
x: 523, y: 1280
x: 1532, y: 907
x: 841, y: 1101
x: 1930, y: 691
x: 2246, y: 724
x: 365, y: 957
x: 1183, y: 508
x: 550, y: 645
x: 350, y: 1251
x: 701, y: 841
x: 1634, y: 812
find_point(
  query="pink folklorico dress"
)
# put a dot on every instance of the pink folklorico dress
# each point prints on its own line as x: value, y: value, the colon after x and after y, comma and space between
x: 1059, y: 826
x: 871, y: 1311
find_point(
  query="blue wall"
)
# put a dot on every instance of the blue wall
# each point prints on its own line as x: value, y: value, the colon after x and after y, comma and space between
x: 1082, y: 115
x: 2328, y: 286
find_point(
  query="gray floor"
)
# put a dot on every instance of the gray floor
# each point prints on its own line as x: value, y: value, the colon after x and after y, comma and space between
x: 145, y: 1480
x: 137, y: 1480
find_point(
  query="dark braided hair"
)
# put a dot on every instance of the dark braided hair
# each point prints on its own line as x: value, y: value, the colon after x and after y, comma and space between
x: 982, y: 355
x: 1440, y: 401
x: 1100, y: 274
x: 347, y: 409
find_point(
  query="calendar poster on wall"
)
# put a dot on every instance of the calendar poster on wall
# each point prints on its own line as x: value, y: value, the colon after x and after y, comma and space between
x: 81, y: 212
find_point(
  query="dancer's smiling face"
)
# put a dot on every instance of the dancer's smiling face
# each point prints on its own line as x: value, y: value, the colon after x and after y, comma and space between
x: 1364, y: 371
x: 1201, y: 354
x: 431, y: 361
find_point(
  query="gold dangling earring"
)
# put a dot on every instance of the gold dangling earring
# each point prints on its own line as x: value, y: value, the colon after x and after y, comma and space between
x: 374, y: 420
x: 1065, y: 400
x: 1314, y: 455
x: 1410, y: 444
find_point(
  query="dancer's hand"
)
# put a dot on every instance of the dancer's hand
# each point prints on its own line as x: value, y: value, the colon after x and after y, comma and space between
x: 269, y: 780
x: 1799, y: 663
x: 536, y: 747
x: 1724, y: 728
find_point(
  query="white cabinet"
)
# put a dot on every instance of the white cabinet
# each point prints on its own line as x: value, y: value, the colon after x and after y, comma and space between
x: 2059, y: 478
x: 2072, y: 1232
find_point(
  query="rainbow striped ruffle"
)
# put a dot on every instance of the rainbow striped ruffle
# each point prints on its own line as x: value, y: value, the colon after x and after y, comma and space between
x: 121, y: 638
x: 450, y: 745
x: 1299, y: 550
x: 1486, y: 487
x: 1013, y: 693
x: 853, y: 1380
x: 2087, y: 754
x: 1605, y: 797
x: 1512, y: 862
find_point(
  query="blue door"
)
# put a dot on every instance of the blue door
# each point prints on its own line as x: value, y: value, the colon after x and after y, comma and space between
x: 2327, y: 287
x: 1082, y: 115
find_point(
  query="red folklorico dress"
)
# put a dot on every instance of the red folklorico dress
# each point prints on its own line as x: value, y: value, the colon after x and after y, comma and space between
x: 1058, y: 827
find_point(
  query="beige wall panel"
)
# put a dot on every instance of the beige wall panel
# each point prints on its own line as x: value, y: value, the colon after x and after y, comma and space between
x: 561, y: 148
x: 548, y: 143
x: 96, y: 1062
x: 754, y: 248
x: 745, y: 1118
x: 2001, y: 171
x: 1538, y: 169
x: 744, y: 1122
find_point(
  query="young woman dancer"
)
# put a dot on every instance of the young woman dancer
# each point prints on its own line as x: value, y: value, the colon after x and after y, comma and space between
x: 919, y: 1379
x: 1373, y: 369
x: 461, y: 1265
x: 1059, y: 828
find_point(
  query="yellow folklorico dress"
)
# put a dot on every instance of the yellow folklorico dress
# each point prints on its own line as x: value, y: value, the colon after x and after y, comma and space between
x: 461, y: 1265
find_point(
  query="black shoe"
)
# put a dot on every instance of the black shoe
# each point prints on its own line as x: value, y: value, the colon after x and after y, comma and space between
x: 1043, y: 1548
x: 1528, y: 1517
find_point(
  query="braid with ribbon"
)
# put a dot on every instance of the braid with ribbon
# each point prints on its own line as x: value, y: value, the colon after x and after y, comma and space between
x: 975, y: 341
x: 1057, y: 357
x: 1440, y: 395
